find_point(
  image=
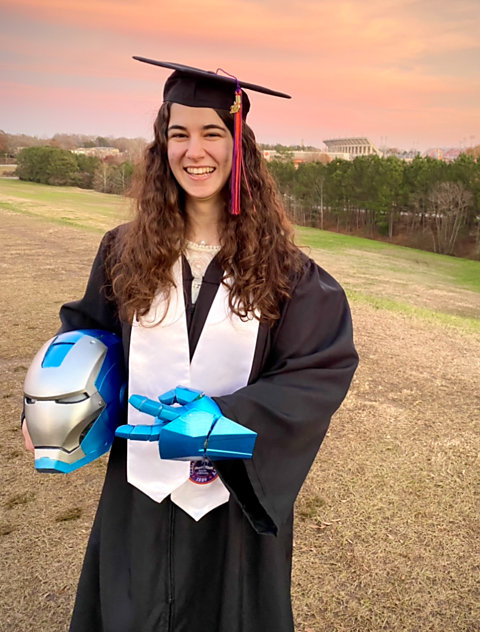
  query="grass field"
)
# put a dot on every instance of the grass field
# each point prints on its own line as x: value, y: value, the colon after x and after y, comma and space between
x: 412, y: 282
x: 434, y: 287
x: 387, y: 525
x: 65, y: 206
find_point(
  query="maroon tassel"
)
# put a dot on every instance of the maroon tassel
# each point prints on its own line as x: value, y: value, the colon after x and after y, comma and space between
x: 238, y: 164
x: 237, y: 160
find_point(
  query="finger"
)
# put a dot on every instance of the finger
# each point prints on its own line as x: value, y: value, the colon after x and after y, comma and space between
x: 139, y: 433
x: 185, y: 395
x: 28, y: 441
x: 153, y: 408
x: 180, y: 395
x: 145, y: 405
x: 168, y: 397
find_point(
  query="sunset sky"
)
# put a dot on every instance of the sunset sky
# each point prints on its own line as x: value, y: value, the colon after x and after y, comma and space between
x: 402, y: 71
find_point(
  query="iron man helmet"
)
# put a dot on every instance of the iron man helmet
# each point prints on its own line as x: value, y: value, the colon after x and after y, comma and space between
x: 74, y: 391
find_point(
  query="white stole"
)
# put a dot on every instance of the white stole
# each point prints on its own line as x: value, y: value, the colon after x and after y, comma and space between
x: 159, y: 361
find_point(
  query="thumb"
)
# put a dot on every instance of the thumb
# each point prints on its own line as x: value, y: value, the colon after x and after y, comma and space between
x: 28, y: 440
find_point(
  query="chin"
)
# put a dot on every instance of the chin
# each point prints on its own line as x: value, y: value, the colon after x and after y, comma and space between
x: 206, y: 197
x: 203, y: 193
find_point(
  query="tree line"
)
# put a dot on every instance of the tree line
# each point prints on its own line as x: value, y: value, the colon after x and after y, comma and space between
x: 426, y: 203
x: 51, y: 161
x: 61, y: 167
x: 12, y: 144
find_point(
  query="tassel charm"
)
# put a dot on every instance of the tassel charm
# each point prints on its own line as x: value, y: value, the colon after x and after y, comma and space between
x: 237, y: 106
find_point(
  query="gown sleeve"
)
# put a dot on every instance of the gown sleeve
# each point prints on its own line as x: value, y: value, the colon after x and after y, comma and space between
x: 306, y: 376
x: 95, y: 310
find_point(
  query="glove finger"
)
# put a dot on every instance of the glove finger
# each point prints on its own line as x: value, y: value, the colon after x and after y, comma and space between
x: 139, y: 433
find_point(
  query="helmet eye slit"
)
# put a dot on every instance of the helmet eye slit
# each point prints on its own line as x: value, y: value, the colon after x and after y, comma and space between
x: 73, y: 399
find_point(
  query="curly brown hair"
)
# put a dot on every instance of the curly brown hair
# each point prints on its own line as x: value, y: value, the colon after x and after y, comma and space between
x: 258, y: 254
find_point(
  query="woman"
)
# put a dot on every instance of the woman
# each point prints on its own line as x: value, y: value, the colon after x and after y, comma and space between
x: 225, y: 303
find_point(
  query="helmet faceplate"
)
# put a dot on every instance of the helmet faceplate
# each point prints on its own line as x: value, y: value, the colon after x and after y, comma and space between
x: 73, y: 398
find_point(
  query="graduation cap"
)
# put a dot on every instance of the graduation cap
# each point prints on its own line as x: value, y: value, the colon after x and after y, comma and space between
x: 206, y: 89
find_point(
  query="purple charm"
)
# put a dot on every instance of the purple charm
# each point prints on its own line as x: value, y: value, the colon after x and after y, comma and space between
x: 202, y: 472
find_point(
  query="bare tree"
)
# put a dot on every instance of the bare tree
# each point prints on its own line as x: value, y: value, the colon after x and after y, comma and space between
x: 102, y: 178
x: 477, y: 239
x: 449, y: 203
x: 473, y: 151
x: 319, y: 156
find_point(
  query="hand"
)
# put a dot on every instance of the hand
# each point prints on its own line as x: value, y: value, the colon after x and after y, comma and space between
x: 195, y: 430
x: 28, y: 441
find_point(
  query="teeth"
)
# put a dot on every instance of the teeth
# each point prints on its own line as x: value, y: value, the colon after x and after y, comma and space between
x: 199, y: 171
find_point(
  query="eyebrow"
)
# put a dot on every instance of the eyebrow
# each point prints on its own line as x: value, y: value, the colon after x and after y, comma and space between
x: 205, y: 127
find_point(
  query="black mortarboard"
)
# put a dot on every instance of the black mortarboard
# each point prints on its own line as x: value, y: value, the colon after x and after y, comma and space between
x: 204, y: 88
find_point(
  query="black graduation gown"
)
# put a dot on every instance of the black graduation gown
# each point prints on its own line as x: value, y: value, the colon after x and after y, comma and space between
x: 149, y: 567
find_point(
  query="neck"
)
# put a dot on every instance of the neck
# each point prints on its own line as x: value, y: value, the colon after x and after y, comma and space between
x: 204, y: 220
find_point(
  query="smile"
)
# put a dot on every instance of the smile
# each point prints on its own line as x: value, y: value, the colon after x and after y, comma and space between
x: 199, y: 171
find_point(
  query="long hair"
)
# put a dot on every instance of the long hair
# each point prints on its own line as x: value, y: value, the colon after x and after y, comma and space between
x: 257, y: 254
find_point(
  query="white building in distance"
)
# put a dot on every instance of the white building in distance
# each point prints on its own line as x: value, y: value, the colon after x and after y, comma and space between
x: 351, y: 147
x: 99, y: 152
x: 342, y: 148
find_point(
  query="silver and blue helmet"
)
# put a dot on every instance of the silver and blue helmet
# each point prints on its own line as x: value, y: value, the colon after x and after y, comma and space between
x: 74, y: 398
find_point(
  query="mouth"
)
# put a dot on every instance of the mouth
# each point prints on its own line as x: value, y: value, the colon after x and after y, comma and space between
x: 199, y: 173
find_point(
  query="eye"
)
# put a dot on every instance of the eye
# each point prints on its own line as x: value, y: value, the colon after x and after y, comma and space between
x: 213, y: 135
x: 177, y: 135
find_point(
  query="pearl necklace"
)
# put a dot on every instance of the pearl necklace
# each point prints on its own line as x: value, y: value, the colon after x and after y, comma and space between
x: 201, y: 246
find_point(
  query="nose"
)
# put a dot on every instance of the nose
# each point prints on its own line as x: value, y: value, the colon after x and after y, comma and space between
x: 196, y: 150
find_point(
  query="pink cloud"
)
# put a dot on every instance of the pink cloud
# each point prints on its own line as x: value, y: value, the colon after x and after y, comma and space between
x: 375, y: 65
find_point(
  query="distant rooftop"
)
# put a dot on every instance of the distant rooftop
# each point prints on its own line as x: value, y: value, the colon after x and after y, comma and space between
x: 100, y: 152
x: 444, y: 153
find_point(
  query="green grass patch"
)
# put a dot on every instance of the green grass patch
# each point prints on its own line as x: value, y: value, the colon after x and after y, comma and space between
x: 464, y: 272
x: 84, y: 198
x: 8, y: 206
x: 59, y: 221
x: 67, y: 206
x: 471, y: 325
x: 326, y: 240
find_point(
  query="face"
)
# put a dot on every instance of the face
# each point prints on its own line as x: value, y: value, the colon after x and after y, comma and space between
x: 199, y: 151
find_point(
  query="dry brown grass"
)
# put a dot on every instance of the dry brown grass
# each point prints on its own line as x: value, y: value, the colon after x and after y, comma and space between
x: 396, y: 545
x: 387, y: 531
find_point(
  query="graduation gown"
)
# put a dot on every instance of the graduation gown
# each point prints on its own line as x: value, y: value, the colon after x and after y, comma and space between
x: 149, y: 567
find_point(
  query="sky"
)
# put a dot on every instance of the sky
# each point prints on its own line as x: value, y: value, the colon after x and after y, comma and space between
x: 404, y: 73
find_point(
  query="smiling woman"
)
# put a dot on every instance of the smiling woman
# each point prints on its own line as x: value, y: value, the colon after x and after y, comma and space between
x: 195, y: 130
x: 200, y: 149
x: 207, y: 290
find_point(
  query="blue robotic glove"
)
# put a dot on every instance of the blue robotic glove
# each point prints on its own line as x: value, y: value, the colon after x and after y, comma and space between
x: 193, y: 430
